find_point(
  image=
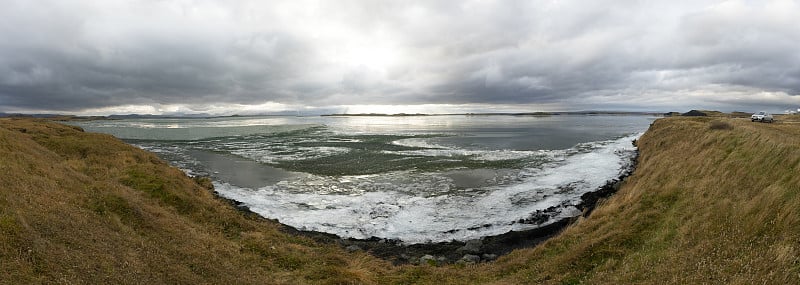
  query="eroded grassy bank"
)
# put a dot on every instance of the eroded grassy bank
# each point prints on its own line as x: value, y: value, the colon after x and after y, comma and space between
x: 707, y: 204
x: 77, y: 207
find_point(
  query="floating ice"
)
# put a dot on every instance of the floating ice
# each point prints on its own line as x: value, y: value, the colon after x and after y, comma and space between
x: 364, y: 206
x: 436, y: 150
x: 430, y: 178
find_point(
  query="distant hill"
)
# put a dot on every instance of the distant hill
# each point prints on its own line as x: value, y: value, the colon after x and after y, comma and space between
x: 695, y: 113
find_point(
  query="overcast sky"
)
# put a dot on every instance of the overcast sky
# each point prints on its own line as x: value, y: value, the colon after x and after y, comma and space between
x: 226, y: 57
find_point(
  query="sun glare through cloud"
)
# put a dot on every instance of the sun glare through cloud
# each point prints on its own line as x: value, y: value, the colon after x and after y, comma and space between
x: 373, y: 58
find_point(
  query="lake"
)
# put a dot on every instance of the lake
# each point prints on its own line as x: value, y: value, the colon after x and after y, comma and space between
x: 412, y: 178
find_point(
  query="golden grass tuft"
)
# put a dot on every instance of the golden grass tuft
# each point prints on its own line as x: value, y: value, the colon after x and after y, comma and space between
x: 720, y: 125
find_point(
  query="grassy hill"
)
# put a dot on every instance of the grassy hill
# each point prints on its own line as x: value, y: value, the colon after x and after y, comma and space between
x: 713, y: 200
x: 79, y: 208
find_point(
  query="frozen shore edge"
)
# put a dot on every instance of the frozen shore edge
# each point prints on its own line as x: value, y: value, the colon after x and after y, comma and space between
x: 484, y: 249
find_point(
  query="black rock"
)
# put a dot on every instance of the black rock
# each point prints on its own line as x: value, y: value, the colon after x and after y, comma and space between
x: 489, y: 256
x: 352, y: 248
x: 470, y: 259
x: 472, y: 246
x: 427, y: 259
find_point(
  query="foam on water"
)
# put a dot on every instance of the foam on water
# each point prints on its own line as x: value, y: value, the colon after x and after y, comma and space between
x: 398, y: 206
x: 276, y: 154
x: 418, y: 142
x: 435, y: 150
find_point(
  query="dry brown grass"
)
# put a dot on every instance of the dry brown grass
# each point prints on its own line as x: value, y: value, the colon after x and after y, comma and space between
x: 705, y: 206
x: 86, y: 208
x: 714, y: 205
x: 788, y: 118
x: 720, y: 125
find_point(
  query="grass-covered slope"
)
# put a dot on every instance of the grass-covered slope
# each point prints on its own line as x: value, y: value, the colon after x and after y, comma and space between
x: 713, y: 200
x: 79, y: 208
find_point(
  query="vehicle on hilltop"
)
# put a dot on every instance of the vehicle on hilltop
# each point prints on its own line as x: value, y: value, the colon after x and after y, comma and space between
x: 763, y: 117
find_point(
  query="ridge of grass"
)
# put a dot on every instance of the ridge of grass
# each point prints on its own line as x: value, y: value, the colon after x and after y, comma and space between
x: 705, y: 205
x: 713, y: 200
x: 78, y: 207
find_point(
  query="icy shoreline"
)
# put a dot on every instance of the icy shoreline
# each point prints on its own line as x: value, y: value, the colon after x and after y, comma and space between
x: 483, y: 249
x: 541, y: 225
x: 543, y: 196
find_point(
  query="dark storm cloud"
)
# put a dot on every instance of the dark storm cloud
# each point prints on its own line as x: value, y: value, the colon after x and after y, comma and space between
x: 648, y: 55
x: 720, y: 45
x: 70, y: 63
x: 59, y: 67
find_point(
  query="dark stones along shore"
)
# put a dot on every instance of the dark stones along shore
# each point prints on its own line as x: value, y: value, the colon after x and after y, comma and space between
x: 473, y: 251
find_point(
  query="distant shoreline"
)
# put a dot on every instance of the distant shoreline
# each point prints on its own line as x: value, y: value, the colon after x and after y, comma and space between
x: 62, y: 117
x: 543, y: 114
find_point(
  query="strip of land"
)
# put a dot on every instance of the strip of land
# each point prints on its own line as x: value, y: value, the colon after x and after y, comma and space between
x: 713, y: 200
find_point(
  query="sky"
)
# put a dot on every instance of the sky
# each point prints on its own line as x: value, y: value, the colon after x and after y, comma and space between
x: 178, y: 57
